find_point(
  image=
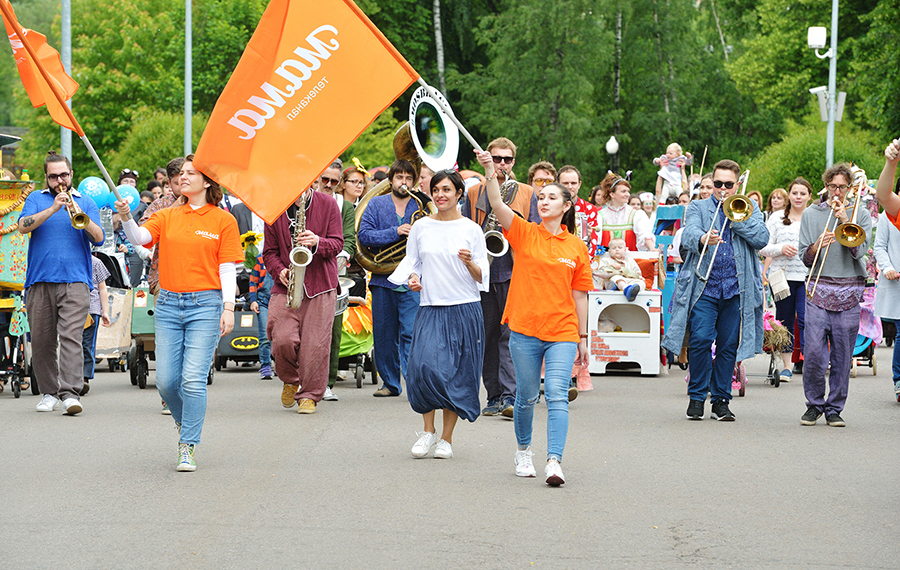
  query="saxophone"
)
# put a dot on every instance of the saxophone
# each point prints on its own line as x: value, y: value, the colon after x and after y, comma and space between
x: 497, y: 246
x: 300, y: 256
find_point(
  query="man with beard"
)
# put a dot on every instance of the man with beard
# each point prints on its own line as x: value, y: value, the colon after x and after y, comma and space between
x: 387, y: 219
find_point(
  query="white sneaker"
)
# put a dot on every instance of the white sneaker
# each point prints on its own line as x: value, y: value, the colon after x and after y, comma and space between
x: 524, y: 465
x: 48, y: 403
x: 424, y: 444
x: 73, y: 406
x: 443, y: 450
x: 554, y: 473
x: 329, y: 395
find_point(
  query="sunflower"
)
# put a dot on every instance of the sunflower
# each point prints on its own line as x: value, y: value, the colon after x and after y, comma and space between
x: 250, y: 238
x: 250, y: 241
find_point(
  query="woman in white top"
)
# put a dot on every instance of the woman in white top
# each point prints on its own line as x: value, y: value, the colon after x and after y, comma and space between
x: 446, y: 259
x: 622, y: 221
x: 781, y: 253
x: 887, y: 253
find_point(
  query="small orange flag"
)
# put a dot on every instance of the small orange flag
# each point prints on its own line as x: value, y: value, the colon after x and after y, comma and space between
x: 36, y: 83
x: 315, y: 74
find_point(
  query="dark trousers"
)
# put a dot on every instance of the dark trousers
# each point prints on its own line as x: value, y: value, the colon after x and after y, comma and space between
x: 56, y: 316
x: 719, y: 321
x: 497, y: 372
x: 336, y: 330
x: 794, y: 305
x: 89, y: 346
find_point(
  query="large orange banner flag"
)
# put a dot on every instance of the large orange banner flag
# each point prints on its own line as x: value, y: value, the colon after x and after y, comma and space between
x: 315, y: 74
x: 36, y: 84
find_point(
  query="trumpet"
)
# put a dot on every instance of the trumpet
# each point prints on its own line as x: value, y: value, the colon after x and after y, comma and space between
x: 79, y: 219
x: 849, y: 234
x: 737, y: 208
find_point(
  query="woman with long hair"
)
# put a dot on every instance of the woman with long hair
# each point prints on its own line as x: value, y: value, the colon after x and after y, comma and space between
x: 551, y: 265
x: 199, y: 245
x: 782, y: 255
x: 446, y: 260
x: 777, y: 201
x: 621, y: 221
x: 353, y: 183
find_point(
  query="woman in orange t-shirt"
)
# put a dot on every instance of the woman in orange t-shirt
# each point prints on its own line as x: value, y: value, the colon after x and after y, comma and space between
x: 547, y: 314
x: 198, y: 247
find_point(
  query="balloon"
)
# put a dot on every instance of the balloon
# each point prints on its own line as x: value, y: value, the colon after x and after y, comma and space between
x: 96, y: 189
x: 129, y: 194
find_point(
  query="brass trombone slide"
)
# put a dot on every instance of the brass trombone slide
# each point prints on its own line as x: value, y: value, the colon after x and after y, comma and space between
x: 737, y: 208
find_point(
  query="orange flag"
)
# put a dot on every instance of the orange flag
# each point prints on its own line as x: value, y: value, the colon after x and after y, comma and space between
x: 315, y: 74
x: 39, y: 66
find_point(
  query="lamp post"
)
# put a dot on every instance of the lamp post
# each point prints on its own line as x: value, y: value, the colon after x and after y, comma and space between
x: 816, y: 40
x: 612, y: 147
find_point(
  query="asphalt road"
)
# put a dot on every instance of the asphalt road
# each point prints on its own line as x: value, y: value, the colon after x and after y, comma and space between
x: 338, y: 489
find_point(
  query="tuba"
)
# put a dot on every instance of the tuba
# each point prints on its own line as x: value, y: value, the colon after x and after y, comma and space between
x: 79, y: 219
x: 497, y: 246
x: 300, y: 256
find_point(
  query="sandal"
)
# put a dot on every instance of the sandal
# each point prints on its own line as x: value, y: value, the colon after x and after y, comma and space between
x: 24, y: 384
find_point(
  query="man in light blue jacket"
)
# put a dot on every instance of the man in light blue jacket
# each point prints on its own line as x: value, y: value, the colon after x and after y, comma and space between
x: 728, y: 307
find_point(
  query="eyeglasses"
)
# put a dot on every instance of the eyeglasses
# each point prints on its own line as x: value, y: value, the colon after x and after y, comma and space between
x: 719, y: 184
x: 503, y: 159
x: 834, y: 187
x: 542, y: 181
x: 329, y: 181
x: 130, y: 171
x: 59, y: 176
x: 357, y: 182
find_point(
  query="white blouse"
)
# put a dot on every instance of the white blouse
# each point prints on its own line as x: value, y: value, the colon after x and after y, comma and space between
x: 779, y: 236
x: 640, y: 224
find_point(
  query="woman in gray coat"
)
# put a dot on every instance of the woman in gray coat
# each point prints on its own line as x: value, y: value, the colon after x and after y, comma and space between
x: 887, y: 254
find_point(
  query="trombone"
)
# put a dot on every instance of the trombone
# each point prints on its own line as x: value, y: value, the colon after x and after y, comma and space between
x: 849, y: 234
x: 737, y: 208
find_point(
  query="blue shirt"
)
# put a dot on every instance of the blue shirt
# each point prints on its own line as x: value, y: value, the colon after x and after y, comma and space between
x: 378, y: 228
x: 57, y: 252
x: 723, y: 281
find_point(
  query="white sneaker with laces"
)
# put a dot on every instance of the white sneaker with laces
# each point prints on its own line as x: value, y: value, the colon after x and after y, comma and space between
x: 424, y: 444
x: 72, y: 406
x: 48, y: 403
x: 524, y: 465
x: 329, y: 395
x: 443, y: 450
x: 554, y: 473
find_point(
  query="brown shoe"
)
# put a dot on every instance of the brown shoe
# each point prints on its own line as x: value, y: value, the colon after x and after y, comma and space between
x: 383, y: 393
x: 287, y: 395
x: 86, y: 388
x: 306, y: 406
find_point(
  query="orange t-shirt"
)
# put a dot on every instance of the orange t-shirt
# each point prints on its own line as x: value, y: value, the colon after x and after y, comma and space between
x: 192, y: 244
x: 547, y: 269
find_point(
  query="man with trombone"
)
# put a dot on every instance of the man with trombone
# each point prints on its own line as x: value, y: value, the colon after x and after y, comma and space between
x: 59, y: 282
x: 834, y: 240
x: 718, y: 294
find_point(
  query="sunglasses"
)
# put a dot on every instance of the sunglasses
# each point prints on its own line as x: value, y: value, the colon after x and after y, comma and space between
x: 59, y: 176
x: 329, y: 181
x: 130, y: 171
x: 503, y: 159
x: 542, y: 181
x: 719, y: 184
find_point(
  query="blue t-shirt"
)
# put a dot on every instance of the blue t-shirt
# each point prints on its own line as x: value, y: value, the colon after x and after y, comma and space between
x: 57, y: 252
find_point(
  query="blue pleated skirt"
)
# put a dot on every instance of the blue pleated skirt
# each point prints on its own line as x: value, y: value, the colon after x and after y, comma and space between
x: 444, y: 365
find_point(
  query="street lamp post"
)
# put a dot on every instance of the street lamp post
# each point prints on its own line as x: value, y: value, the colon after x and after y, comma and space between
x: 816, y: 40
x: 612, y: 147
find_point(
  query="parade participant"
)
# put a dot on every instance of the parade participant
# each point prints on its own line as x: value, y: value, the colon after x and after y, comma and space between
x: 671, y: 178
x: 424, y: 181
x: 778, y: 200
x: 301, y: 337
x: 726, y: 309
x: 648, y: 205
x: 446, y: 261
x: 617, y: 271
x: 888, y: 199
x: 620, y: 221
x: 259, y: 294
x: 756, y: 196
x: 387, y: 219
x: 781, y: 255
x: 588, y: 224
x: 684, y: 199
x: 887, y: 252
x: 58, y: 283
x: 198, y: 247
x: 597, y: 198
x: 329, y: 181
x: 498, y: 372
x: 634, y: 201
x: 551, y: 265
x: 832, y: 312
x: 99, y: 311
x: 706, y: 187
x: 540, y: 174
x: 353, y: 182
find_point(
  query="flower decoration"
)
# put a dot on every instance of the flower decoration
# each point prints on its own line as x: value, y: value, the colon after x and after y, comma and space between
x: 250, y: 242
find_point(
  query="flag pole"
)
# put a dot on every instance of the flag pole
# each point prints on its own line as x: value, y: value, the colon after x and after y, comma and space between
x: 446, y: 109
x: 6, y: 9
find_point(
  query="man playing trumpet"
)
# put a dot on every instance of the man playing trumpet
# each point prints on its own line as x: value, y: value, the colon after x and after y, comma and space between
x: 834, y: 294
x: 59, y: 282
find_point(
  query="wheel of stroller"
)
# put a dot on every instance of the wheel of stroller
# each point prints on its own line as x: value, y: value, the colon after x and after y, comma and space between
x: 209, y: 377
x: 742, y: 377
x: 853, y: 367
x: 360, y: 370
x: 142, y: 372
x: 16, y: 386
x: 776, y: 381
x: 874, y: 365
x: 134, y: 373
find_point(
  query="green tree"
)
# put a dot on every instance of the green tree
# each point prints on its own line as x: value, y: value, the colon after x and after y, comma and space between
x: 876, y: 69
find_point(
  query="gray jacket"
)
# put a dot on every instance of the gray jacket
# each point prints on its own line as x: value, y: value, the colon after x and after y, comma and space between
x: 887, y: 253
x: 747, y: 237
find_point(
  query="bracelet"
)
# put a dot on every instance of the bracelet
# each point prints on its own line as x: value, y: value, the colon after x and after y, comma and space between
x: 227, y: 309
x: 491, y: 177
x: 583, y: 336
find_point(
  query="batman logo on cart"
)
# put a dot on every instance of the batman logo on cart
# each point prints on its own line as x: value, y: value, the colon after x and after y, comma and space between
x: 245, y: 343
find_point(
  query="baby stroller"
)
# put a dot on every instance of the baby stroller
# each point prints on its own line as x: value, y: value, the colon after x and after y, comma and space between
x: 864, y: 355
x: 869, y: 336
x: 356, y: 335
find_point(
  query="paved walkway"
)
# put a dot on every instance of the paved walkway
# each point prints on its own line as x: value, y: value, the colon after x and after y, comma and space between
x: 646, y: 488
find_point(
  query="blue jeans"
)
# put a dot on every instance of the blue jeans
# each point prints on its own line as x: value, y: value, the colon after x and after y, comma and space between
x: 896, y: 365
x: 393, y: 316
x: 262, y: 299
x: 89, y: 345
x: 719, y: 321
x: 528, y: 353
x: 187, y: 332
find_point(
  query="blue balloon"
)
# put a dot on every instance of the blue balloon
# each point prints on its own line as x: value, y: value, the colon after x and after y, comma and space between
x: 129, y: 194
x: 96, y: 189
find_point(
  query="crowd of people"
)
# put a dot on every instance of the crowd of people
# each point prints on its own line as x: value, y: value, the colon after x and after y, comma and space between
x: 449, y: 313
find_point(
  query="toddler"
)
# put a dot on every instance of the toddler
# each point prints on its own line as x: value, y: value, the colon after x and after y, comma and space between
x: 669, y: 181
x: 618, y: 271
